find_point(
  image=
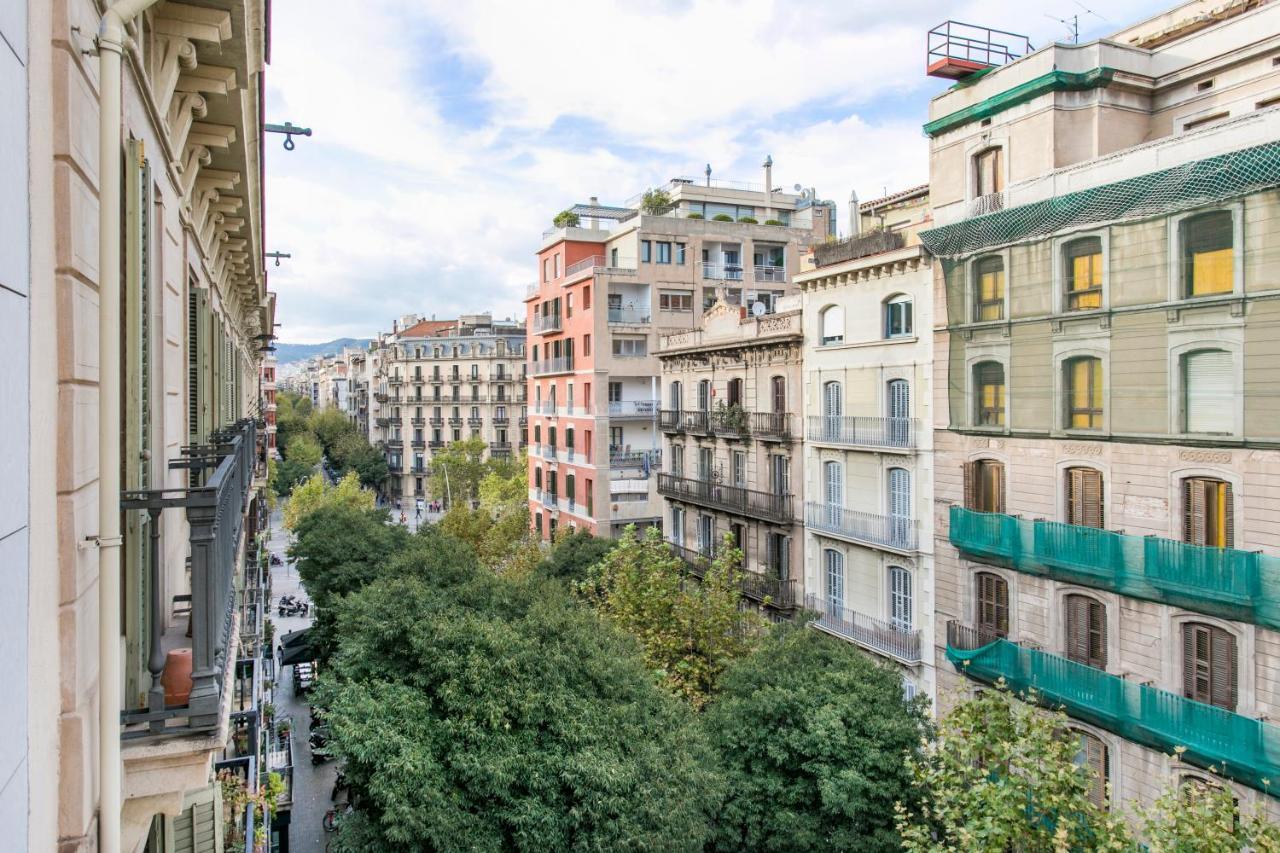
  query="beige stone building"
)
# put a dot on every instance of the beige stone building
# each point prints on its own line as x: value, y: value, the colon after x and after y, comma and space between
x: 132, y: 539
x: 1107, y: 391
x: 440, y: 381
x: 731, y: 442
x: 868, y: 462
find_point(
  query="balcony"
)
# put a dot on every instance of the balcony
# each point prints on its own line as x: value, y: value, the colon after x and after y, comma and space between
x: 595, y: 265
x: 382, y: 422
x: 544, y: 407
x: 437, y: 422
x: 644, y: 460
x: 877, y: 635
x: 380, y: 396
x: 545, y: 324
x: 396, y: 443
x: 216, y: 509
x: 395, y: 466
x: 546, y: 367
x: 775, y: 592
x: 418, y: 422
x: 435, y: 444
x: 419, y: 470
x: 766, y: 506
x: 722, y: 272
x: 502, y: 447
x: 879, y: 433
x: 629, y: 317
x: 1225, y: 582
x: 501, y: 420
x: 892, y: 532
x: 436, y: 379
x: 475, y: 422
x: 1230, y: 744
x: 545, y: 451
x: 395, y: 381
x: 679, y: 420
x: 770, y: 426
x: 621, y: 410
x: 418, y: 444
x: 455, y: 422
x: 768, y: 273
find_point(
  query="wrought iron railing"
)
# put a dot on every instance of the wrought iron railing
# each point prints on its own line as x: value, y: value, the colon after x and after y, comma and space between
x: 888, y: 531
x: 736, y: 499
x: 681, y: 420
x: 864, y: 431
x: 895, y: 641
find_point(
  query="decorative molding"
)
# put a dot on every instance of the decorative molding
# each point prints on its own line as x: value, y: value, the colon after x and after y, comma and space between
x: 1218, y: 457
x: 1080, y: 448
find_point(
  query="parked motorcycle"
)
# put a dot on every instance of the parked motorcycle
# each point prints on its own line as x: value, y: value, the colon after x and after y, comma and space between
x: 292, y: 606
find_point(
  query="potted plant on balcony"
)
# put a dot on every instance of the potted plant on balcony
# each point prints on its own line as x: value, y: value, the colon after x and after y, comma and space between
x: 731, y: 419
x: 565, y: 219
x: 722, y: 217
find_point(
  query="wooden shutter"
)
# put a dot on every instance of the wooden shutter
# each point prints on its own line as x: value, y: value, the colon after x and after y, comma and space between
x: 1084, y: 497
x: 1093, y: 756
x: 993, y: 604
x: 1222, y: 662
x: 1086, y: 621
x: 1193, y: 511
x: 970, y: 471
x: 198, y: 829
x: 1228, y: 515
x: 1209, y: 665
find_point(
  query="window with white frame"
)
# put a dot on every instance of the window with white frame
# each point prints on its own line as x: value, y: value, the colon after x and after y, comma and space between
x: 630, y: 347
x: 900, y: 598
x: 1208, y: 392
x: 832, y: 324
x: 833, y: 580
x: 988, y: 289
x: 897, y: 317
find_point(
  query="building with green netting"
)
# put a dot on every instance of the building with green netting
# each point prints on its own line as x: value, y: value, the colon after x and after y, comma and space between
x: 1107, y: 244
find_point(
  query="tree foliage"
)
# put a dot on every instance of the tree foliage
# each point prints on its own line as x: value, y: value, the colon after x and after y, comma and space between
x: 354, y: 453
x: 458, y: 468
x: 572, y: 555
x: 1203, y: 818
x: 303, y: 450
x: 565, y: 219
x: 330, y: 426
x: 1002, y: 775
x: 655, y: 201
x: 812, y: 738
x: 316, y: 493
x: 482, y: 714
x: 689, y: 631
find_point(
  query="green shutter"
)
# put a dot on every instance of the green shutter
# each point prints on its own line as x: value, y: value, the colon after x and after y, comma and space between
x: 198, y: 829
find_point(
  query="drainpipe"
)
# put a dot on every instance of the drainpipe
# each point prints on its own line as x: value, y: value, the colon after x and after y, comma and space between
x: 111, y: 37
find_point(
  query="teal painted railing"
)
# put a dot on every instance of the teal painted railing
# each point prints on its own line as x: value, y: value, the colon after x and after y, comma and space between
x: 1233, y: 584
x: 1229, y: 744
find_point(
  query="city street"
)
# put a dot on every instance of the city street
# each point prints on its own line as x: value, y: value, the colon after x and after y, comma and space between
x: 312, y: 785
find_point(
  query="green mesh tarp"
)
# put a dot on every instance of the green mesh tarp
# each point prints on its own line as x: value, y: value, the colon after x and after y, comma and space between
x: 1231, y: 745
x: 1189, y: 185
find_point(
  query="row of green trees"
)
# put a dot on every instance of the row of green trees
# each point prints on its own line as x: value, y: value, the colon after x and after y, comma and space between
x: 306, y: 437
x: 483, y: 693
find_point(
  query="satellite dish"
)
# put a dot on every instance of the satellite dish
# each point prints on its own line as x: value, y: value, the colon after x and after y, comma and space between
x: 798, y: 188
x: 757, y: 309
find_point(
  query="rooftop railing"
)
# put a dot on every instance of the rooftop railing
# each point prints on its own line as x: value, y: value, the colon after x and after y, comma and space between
x: 895, y: 641
x: 1225, y: 582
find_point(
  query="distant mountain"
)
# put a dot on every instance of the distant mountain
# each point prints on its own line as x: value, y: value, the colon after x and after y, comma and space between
x: 292, y: 353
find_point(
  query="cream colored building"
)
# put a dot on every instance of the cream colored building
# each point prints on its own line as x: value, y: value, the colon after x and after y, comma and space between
x: 868, y: 462
x: 145, y: 305
x: 440, y: 381
x: 1107, y: 396
x: 731, y: 443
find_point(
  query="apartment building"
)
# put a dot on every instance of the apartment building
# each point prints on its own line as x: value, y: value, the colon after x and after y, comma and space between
x: 1107, y: 235
x: 868, y: 460
x: 441, y: 381
x: 135, y: 671
x: 731, y: 444
x: 267, y: 389
x: 611, y: 279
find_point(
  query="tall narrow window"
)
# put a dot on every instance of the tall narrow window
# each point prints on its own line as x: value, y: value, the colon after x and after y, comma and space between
x: 1086, y: 624
x: 832, y: 407
x: 989, y: 393
x: 833, y: 491
x: 988, y: 295
x: 1209, y: 665
x: 735, y: 392
x: 704, y: 395
x: 1207, y: 254
x: 675, y: 396
x: 992, y: 595
x: 984, y: 485
x: 1093, y: 758
x: 897, y: 317
x: 898, y: 409
x: 832, y: 323
x: 833, y: 582
x: 1084, y: 497
x: 1208, y: 392
x: 988, y: 168
x: 778, y: 389
x: 900, y: 599
x: 1084, y: 393
x: 1208, y: 514
x: 1083, y: 260
x: 899, y: 504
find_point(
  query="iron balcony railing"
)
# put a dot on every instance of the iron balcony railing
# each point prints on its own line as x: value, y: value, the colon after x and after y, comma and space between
x: 418, y: 422
x: 1230, y: 744
x: 500, y: 446
x: 382, y: 422
x: 735, y: 499
x: 646, y: 460
x: 770, y: 273
x: 455, y: 421
x: 722, y: 272
x: 475, y: 422
x: 762, y: 587
x: 435, y: 444
x: 596, y: 264
x: 895, y: 532
x: 893, y: 433
x: 625, y: 409
x: 562, y: 364
x: 681, y: 420
x: 437, y: 421
x: 395, y: 466
x: 395, y: 380
x: 1225, y: 582
x: 629, y: 316
x: 419, y: 443
x: 501, y: 420
x: 216, y: 507
x: 419, y: 469
x: 548, y: 323
x: 395, y: 443
x: 896, y: 641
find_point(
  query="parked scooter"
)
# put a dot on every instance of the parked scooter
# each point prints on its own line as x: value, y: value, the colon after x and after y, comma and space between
x: 292, y: 606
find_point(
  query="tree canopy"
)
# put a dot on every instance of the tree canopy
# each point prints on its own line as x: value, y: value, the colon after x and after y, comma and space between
x: 316, y: 492
x: 573, y: 554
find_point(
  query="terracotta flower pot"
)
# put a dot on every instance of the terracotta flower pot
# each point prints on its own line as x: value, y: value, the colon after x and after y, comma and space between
x: 176, y: 677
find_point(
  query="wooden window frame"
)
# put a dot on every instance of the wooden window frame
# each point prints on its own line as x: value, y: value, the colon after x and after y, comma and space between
x: 1074, y: 296
x: 1085, y: 497
x: 1094, y: 411
x: 1187, y: 256
x: 991, y: 604
x: 1210, y: 665
x: 994, y: 415
x: 984, y: 485
x: 982, y: 267
x: 1085, y: 630
x: 1200, y: 525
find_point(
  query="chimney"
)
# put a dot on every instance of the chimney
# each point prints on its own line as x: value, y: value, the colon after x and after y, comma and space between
x: 768, y: 187
x: 595, y: 220
x: 855, y: 220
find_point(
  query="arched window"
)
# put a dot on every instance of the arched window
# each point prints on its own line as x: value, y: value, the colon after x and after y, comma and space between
x: 901, y: 608
x: 988, y: 393
x: 833, y: 580
x: 1094, y: 759
x: 991, y: 598
x: 1209, y: 665
x: 1084, y: 393
x: 1086, y: 631
x: 832, y: 324
x: 1208, y: 392
x: 898, y: 321
x: 988, y: 289
x: 1083, y: 273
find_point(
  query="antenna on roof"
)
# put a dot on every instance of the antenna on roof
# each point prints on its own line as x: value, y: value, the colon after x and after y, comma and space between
x: 1072, y: 25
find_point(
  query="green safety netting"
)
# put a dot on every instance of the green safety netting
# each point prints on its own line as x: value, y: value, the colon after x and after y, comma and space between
x: 1189, y: 185
x: 1229, y: 744
x: 1225, y: 582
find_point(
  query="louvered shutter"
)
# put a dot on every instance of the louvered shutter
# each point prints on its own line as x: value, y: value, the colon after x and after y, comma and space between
x: 1097, y: 634
x: 1228, y: 515
x: 1095, y: 759
x: 1084, y: 497
x: 193, y: 366
x: 1222, y: 665
x: 1193, y: 512
x: 970, y: 472
x: 993, y: 604
x: 1189, y: 661
x: 1077, y: 628
x: 1209, y: 392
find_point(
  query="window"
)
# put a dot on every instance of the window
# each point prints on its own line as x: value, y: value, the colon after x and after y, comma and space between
x: 586, y: 297
x: 546, y: 269
x: 706, y: 535
x: 677, y: 460
x: 586, y: 345
x: 645, y: 251
x: 1083, y: 260
x: 1084, y: 393
x: 833, y: 490
x: 1086, y: 624
x: 984, y: 485
x: 664, y: 253
x: 897, y: 317
x: 704, y: 394
x: 992, y: 593
x: 832, y: 323
x: 988, y: 172
x: 778, y: 555
x: 630, y: 347
x: 1084, y: 497
x: 613, y: 258
x: 675, y: 396
x: 1207, y: 254
x: 988, y: 302
x: 739, y: 458
x: 900, y: 609
x: 1208, y: 392
x: 778, y: 394
x: 833, y: 586
x: 735, y: 392
x: 988, y: 386
x: 705, y: 460
x: 1209, y: 665
x: 1208, y: 514
x: 568, y: 304
x: 559, y: 265
x: 1093, y: 758
x: 674, y: 300
x: 680, y: 253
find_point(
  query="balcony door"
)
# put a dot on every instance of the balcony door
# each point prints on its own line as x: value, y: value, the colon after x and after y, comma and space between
x: 832, y: 406
x: 899, y: 500
x: 898, y: 406
x: 675, y: 393
x: 706, y: 535
x: 833, y: 580
x: 833, y: 490
x: 677, y: 526
x: 900, y: 601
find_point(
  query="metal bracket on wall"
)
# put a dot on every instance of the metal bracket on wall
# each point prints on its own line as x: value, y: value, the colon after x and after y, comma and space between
x: 289, y: 129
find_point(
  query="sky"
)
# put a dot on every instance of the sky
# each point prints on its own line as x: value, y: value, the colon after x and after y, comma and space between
x: 445, y: 135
